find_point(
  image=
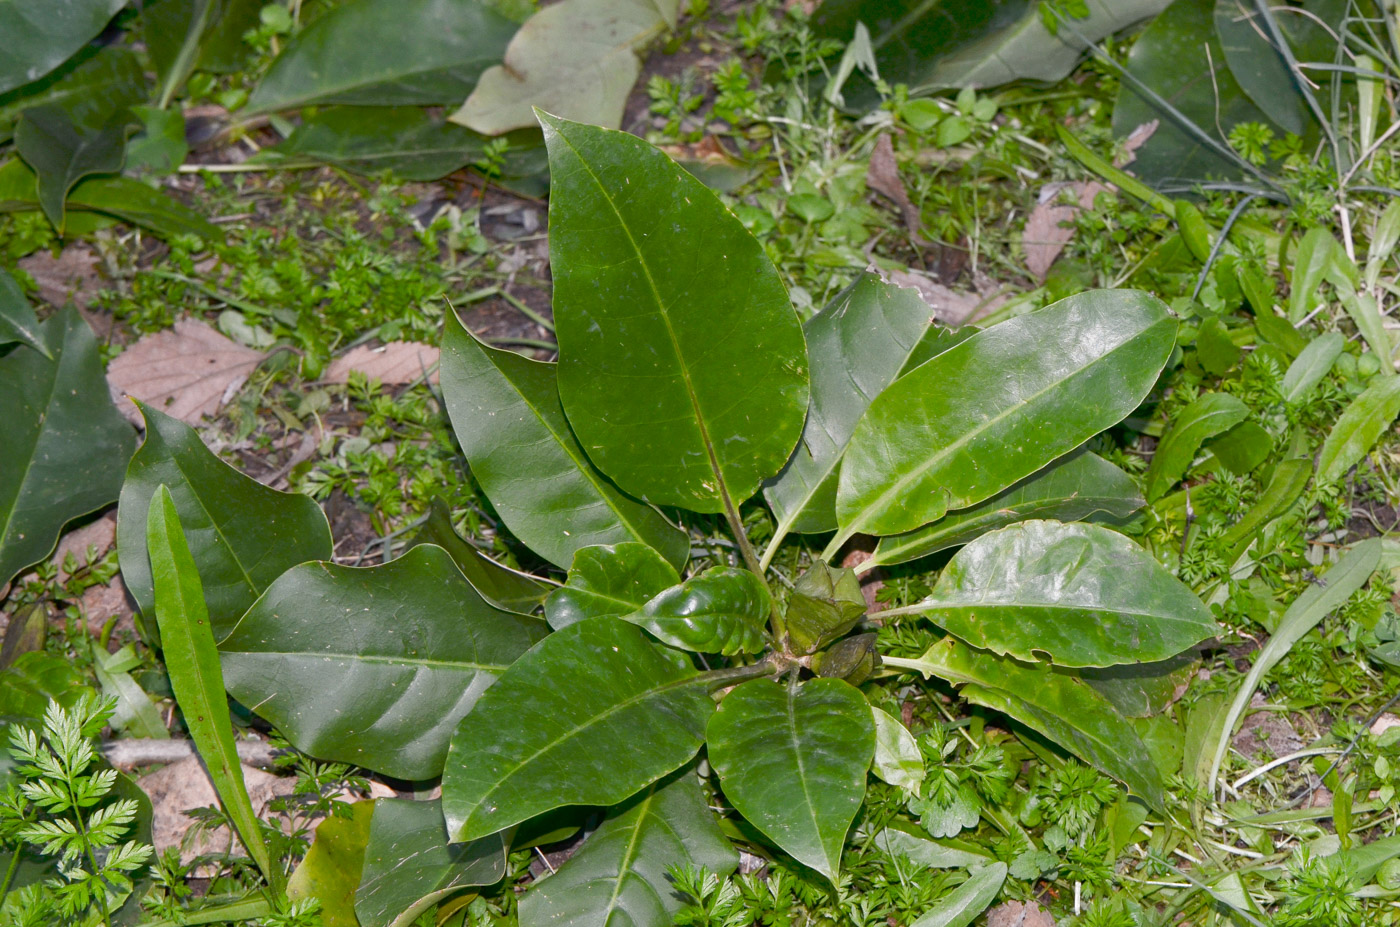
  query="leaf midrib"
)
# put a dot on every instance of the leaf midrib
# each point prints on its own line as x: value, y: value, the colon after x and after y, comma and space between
x: 375, y: 659
x: 794, y: 740
x: 624, y: 867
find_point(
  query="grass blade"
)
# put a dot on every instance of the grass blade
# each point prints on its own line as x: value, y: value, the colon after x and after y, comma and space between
x: 192, y: 660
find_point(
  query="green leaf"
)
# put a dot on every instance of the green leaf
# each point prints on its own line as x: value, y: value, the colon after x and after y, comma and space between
x: 407, y: 140
x: 961, y: 906
x: 1310, y: 265
x: 1074, y: 487
x: 825, y: 604
x: 1179, y: 59
x: 1072, y: 594
x: 1048, y: 382
x: 410, y: 863
x: 1140, y: 690
x: 547, y: 733
x: 112, y: 73
x: 682, y: 367
x: 27, y: 685
x: 723, y: 610
x: 40, y: 37
x: 898, y: 760
x: 65, y: 443
x: 1208, y: 415
x: 135, y: 714
x: 1316, y: 602
x: 506, y: 413
x: 792, y: 760
x: 243, y: 534
x: 858, y: 345
x: 1243, y: 448
x: 1258, y: 67
x: 577, y: 59
x: 1366, y: 315
x: 621, y: 875
x: 160, y: 146
x: 17, y: 320
x: 183, y: 36
x: 609, y: 581
x: 1358, y: 429
x: 373, y: 666
x: 386, y: 53
x: 192, y: 662
x: 500, y: 585
x: 936, y: 44
x: 1285, y: 486
x: 1061, y: 707
x: 330, y: 871
x: 62, y: 152
x: 929, y: 854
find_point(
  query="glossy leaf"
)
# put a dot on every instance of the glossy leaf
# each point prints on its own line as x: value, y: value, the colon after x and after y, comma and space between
x: 1243, y: 448
x: 577, y: 59
x: 621, y: 875
x: 1358, y: 429
x: 826, y: 603
x: 962, y: 905
x: 1076, y: 486
x: 1072, y: 594
x: 609, y: 581
x: 1257, y: 66
x: 386, y: 53
x: 500, y: 585
x: 970, y: 43
x: 1208, y: 415
x: 792, y: 760
x: 722, y: 610
x: 1140, y: 690
x: 682, y: 368
x: 330, y: 870
x: 506, y: 413
x: 373, y: 666
x: 898, y: 760
x: 410, y: 863
x: 1179, y: 59
x: 192, y: 661
x: 112, y: 73
x: 1047, y: 382
x: 858, y: 345
x: 17, y: 320
x: 40, y: 37
x: 404, y: 139
x: 1062, y: 708
x: 929, y: 854
x: 563, y: 708
x: 243, y: 534
x: 64, y: 446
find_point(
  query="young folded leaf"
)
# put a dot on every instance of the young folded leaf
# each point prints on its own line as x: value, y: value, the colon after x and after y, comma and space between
x: 682, y: 365
x: 506, y: 413
x: 1071, y: 594
x: 999, y: 406
x: 373, y: 665
x: 792, y: 760
x: 723, y: 610
x: 592, y: 714
x: 609, y: 580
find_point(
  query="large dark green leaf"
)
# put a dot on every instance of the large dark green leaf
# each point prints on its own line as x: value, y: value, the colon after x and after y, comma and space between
x: 682, y: 365
x: 40, y: 36
x: 368, y: 139
x: 184, y: 35
x: 591, y: 715
x: 386, y: 53
x: 1066, y: 710
x: 933, y: 44
x: 17, y: 320
x: 1074, y: 487
x: 621, y: 876
x: 410, y: 862
x: 243, y: 534
x: 1045, y: 383
x: 376, y: 665
x: 62, y: 148
x: 64, y: 444
x: 1207, y: 416
x: 792, y: 760
x: 509, y: 589
x: 858, y: 344
x: 506, y: 413
x: 113, y: 72
x: 1179, y: 58
x: 1257, y: 66
x: 1076, y: 595
x: 609, y: 580
x: 723, y: 610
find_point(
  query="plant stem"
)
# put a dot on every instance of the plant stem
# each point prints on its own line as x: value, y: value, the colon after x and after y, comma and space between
x: 10, y: 874
x: 736, y: 527
x: 728, y: 677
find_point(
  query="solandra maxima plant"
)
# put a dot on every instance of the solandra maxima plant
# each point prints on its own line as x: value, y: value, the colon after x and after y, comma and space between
x: 686, y: 383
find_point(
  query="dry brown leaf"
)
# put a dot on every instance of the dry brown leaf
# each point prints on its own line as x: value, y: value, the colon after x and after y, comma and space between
x: 188, y: 372
x: 183, y: 786
x: 1048, y: 228
x: 72, y: 275
x: 1266, y: 731
x: 1017, y: 914
x: 1384, y: 723
x: 949, y: 306
x: 883, y: 177
x: 102, y: 603
x: 395, y: 363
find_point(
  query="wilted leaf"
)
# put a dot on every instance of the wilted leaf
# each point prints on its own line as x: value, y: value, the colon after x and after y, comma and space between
x: 186, y: 372
x: 65, y: 445
x: 683, y: 369
x: 40, y: 37
x: 330, y: 870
